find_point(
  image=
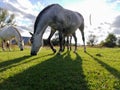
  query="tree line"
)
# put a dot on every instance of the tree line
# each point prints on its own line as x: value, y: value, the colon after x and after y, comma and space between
x: 110, y: 41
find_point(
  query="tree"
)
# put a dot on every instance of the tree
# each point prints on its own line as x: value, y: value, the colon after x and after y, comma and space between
x: 6, y: 18
x: 118, y: 41
x: 3, y: 15
x: 10, y: 19
x: 110, y: 40
x: 92, y: 40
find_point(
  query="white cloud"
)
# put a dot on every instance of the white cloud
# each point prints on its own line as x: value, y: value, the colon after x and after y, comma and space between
x: 99, y: 10
x: 116, y: 22
x: 24, y: 6
x: 37, y: 8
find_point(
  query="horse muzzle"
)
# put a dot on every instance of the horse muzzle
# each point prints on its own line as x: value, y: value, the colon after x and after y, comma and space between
x: 33, y: 53
x: 21, y: 49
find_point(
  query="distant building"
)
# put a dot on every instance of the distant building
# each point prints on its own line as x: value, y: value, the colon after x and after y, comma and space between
x: 26, y: 40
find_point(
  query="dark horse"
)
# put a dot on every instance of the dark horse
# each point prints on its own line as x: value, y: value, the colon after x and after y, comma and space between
x: 58, y: 18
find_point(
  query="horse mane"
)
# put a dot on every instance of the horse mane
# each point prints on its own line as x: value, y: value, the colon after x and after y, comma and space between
x: 40, y: 14
x: 18, y: 32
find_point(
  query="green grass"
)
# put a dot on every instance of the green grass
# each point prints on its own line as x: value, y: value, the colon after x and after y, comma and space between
x: 98, y: 69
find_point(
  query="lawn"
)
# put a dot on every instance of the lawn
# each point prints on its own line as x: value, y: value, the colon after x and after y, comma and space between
x: 98, y: 69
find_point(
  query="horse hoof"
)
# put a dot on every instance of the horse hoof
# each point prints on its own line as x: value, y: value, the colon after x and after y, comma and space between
x: 54, y: 50
x: 98, y: 54
x: 21, y: 49
x: 33, y: 54
x: 59, y: 53
x: 75, y: 52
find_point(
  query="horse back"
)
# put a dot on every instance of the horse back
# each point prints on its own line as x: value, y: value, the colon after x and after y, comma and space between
x: 58, y: 18
x: 66, y: 18
x: 9, y: 32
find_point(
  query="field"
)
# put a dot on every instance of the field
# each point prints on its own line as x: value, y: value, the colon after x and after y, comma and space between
x: 98, y: 69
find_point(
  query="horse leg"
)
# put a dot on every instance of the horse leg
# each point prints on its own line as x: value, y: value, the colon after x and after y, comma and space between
x: 83, y: 37
x: 64, y: 44
x: 70, y: 43
x: 49, y: 40
x: 61, y: 38
x: 3, y: 45
x: 8, y: 45
x: 75, y: 38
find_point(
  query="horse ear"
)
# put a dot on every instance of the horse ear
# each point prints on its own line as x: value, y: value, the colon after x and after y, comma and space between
x: 31, y: 33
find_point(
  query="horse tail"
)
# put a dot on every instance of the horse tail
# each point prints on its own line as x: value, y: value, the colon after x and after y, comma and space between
x: 82, y: 33
x: 82, y: 30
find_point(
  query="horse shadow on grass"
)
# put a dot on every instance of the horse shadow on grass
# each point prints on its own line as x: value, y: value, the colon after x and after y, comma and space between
x: 110, y: 69
x: 17, y: 61
x: 11, y: 63
x: 61, y: 72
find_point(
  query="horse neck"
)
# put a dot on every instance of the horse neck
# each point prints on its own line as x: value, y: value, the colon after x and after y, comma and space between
x: 41, y: 26
x: 18, y: 35
x: 0, y: 32
x: 42, y: 18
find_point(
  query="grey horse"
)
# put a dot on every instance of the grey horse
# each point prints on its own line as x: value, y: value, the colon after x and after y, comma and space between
x: 58, y: 18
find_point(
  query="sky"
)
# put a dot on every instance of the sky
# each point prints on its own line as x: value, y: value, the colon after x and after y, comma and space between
x: 105, y: 15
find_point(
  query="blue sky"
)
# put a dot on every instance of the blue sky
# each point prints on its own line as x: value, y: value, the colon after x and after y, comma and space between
x: 105, y: 14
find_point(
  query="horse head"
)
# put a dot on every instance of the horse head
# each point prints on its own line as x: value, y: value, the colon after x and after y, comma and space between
x: 36, y: 41
x: 21, y: 45
x: 31, y: 39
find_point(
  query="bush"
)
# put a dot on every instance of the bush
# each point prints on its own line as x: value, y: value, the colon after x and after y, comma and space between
x: 110, y: 41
